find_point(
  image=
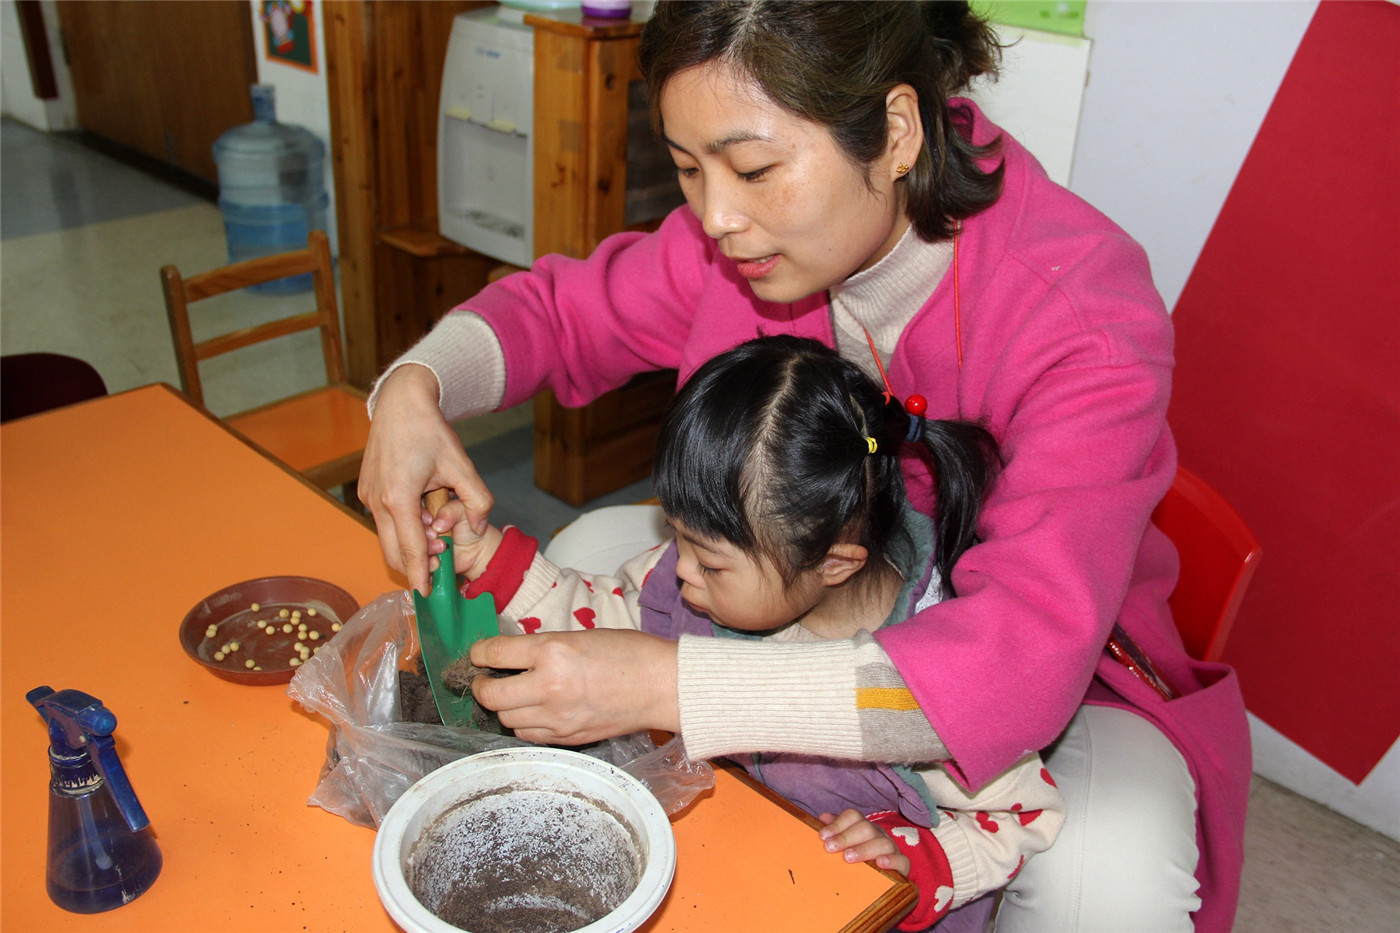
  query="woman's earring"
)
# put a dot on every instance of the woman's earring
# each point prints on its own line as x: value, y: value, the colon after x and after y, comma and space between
x: 901, y: 168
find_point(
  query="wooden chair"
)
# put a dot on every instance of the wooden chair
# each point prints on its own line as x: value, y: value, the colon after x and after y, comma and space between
x: 1219, y: 554
x: 320, y: 433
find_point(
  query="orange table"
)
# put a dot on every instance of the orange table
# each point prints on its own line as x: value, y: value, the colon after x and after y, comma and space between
x: 117, y: 516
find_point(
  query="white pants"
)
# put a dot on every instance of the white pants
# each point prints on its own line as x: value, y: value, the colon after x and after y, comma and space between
x: 1125, y: 860
x: 1126, y: 857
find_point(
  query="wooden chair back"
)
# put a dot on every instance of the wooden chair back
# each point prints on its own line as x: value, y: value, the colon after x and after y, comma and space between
x: 320, y: 433
x: 1219, y: 555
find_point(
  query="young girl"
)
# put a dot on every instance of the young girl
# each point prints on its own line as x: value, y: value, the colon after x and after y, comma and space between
x: 779, y: 469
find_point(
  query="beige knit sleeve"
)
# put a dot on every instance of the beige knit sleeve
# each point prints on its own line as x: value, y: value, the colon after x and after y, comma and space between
x: 462, y: 351
x: 842, y: 699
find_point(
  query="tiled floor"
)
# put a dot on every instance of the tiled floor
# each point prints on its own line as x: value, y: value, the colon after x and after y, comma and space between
x: 83, y: 240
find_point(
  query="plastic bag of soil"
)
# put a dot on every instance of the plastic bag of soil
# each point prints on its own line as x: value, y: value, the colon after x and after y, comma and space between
x: 367, y: 680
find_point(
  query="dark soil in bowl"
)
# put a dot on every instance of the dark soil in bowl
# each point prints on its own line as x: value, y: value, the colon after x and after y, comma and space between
x: 525, y: 860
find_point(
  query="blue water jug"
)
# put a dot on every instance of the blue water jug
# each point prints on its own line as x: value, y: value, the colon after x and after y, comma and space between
x: 271, y: 187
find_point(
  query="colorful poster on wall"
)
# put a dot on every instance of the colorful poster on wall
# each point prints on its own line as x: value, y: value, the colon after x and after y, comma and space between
x: 289, y: 30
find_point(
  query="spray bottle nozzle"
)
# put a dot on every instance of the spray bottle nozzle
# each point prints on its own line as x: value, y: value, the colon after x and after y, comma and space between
x: 101, y: 852
x: 79, y: 724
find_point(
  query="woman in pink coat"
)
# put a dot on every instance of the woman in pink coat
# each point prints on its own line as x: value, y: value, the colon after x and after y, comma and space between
x: 837, y: 188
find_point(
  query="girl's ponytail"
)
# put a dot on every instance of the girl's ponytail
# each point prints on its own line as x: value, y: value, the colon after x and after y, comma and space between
x: 963, y: 458
x: 964, y: 463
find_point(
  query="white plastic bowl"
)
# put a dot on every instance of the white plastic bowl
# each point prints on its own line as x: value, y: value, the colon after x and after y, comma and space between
x: 509, y: 788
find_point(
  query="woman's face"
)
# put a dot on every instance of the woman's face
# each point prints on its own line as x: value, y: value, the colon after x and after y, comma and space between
x: 788, y: 208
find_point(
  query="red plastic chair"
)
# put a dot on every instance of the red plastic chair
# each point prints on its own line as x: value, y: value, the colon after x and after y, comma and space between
x: 1219, y: 555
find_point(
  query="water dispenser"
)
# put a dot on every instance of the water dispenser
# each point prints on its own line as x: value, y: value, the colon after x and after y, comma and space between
x: 485, y: 152
x: 486, y: 155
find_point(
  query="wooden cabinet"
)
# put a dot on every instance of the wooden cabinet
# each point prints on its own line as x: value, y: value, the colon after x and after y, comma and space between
x: 398, y: 275
x: 582, y: 74
x: 384, y: 61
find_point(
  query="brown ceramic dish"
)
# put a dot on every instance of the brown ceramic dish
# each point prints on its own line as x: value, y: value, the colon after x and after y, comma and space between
x: 230, y: 612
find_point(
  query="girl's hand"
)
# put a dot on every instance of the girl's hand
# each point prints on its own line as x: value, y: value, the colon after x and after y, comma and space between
x: 580, y: 687
x: 471, y: 552
x: 859, y: 840
x: 412, y: 449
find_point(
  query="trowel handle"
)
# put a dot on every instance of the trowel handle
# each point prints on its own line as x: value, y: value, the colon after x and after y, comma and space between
x: 445, y: 577
x: 435, y: 500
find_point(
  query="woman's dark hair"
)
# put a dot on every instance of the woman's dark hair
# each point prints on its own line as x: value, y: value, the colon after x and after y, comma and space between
x: 766, y: 447
x: 834, y: 63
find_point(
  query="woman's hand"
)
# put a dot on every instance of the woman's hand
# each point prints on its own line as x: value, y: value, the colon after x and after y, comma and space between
x: 859, y: 840
x: 580, y: 687
x: 412, y: 449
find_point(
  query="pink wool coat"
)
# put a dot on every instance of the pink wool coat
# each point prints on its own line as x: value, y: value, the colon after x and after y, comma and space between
x: 1066, y: 355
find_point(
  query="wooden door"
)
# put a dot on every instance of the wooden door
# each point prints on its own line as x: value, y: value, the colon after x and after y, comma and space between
x: 162, y: 77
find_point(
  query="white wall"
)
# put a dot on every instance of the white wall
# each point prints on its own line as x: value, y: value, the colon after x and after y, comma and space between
x: 17, y: 98
x: 1177, y: 92
x: 1038, y: 94
x: 302, y: 98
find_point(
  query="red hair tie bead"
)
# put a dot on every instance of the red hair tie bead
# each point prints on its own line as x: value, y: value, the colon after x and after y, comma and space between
x: 915, y: 405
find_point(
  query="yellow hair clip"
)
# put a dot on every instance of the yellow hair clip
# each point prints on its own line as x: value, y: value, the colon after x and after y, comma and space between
x: 870, y: 445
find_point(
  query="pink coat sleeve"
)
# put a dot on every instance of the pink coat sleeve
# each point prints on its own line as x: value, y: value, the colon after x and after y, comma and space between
x: 582, y: 327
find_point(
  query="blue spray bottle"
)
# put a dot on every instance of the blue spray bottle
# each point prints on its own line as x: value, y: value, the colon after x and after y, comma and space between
x: 102, y: 853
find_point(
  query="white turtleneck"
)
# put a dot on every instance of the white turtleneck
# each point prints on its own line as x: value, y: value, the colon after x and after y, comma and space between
x: 883, y: 298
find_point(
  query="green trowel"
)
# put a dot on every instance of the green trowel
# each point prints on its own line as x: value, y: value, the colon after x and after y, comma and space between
x: 448, y: 624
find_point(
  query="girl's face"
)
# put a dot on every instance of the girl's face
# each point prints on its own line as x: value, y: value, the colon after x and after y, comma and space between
x: 788, y: 208
x: 737, y: 591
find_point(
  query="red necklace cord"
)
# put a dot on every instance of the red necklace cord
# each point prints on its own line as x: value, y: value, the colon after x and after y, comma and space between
x: 957, y: 309
x: 889, y: 393
x: 957, y: 332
